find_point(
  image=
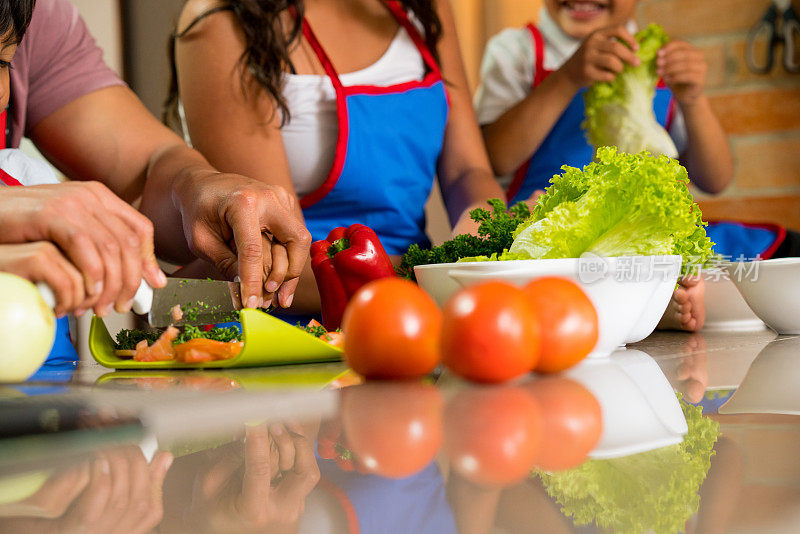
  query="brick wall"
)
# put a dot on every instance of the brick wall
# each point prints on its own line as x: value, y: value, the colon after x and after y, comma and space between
x: 760, y: 113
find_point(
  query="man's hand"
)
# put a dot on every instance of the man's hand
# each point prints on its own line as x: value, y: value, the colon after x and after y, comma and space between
x: 249, y: 230
x: 683, y: 68
x: 107, y: 241
x: 602, y: 55
x: 43, y: 262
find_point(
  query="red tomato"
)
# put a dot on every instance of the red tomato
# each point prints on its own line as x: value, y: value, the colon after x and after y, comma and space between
x: 572, y: 422
x: 568, y: 322
x: 492, y: 435
x: 393, y: 430
x: 391, y: 329
x: 490, y: 333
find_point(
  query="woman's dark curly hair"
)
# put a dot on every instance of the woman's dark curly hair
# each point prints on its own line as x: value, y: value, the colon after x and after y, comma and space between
x: 265, y: 59
x: 15, y: 16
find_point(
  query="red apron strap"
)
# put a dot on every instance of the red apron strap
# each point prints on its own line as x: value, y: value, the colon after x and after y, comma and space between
x: 4, y: 129
x: 8, y: 179
x: 402, y: 18
x: 326, y: 62
x: 539, y: 74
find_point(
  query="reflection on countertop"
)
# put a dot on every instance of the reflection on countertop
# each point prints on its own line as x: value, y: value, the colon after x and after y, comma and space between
x: 308, y: 449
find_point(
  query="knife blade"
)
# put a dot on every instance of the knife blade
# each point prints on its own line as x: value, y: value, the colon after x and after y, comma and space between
x: 202, y: 301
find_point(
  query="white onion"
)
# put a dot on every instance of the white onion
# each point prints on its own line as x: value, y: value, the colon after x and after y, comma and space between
x: 29, y: 326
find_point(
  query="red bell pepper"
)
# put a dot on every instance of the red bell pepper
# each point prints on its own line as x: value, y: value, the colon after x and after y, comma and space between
x: 342, y: 263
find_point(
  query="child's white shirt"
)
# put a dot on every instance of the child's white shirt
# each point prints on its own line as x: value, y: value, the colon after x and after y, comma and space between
x: 507, y: 71
x: 26, y: 170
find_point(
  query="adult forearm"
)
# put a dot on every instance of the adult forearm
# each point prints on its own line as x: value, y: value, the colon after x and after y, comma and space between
x: 470, y: 190
x: 708, y: 155
x: 168, y: 167
x: 517, y: 134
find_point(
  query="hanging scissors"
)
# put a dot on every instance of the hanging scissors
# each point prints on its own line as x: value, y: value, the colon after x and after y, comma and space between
x: 779, y: 24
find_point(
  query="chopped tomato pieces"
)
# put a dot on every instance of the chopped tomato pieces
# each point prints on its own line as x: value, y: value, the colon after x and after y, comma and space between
x: 333, y: 338
x: 160, y: 351
x: 207, y: 350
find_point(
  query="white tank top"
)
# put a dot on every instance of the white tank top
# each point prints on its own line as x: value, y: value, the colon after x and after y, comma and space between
x: 310, y: 135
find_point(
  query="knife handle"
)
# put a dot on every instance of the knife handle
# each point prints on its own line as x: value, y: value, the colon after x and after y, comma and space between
x: 143, y: 300
x: 47, y: 294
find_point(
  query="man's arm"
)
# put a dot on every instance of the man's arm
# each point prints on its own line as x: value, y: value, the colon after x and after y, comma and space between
x: 109, y: 136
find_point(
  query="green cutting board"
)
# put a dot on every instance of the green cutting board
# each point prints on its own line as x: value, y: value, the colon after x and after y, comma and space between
x: 267, y: 341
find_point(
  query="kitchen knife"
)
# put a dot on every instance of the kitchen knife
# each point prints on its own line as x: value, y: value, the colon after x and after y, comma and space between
x: 210, y: 302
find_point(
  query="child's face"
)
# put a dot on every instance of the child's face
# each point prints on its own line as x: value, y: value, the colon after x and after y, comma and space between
x: 579, y: 18
x: 7, y: 51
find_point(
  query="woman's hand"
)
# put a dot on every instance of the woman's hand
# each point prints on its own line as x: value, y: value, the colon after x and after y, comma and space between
x: 108, y: 242
x: 246, y: 229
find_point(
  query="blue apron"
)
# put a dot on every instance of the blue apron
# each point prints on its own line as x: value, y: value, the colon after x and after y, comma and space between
x: 63, y: 352
x: 378, y: 505
x: 388, y: 146
x: 566, y: 143
x: 738, y: 241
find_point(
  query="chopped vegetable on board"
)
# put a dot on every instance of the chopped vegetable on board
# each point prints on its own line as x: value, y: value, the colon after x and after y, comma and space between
x: 335, y: 338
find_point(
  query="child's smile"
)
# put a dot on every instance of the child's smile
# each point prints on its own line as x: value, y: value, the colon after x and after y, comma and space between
x: 579, y: 18
x: 583, y: 10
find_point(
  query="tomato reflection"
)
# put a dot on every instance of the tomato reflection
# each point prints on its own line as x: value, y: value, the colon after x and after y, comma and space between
x: 572, y: 422
x: 492, y: 435
x: 393, y: 430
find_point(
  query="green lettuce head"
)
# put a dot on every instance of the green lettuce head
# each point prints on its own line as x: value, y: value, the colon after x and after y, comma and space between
x: 620, y: 113
x: 619, y: 205
x: 654, y: 491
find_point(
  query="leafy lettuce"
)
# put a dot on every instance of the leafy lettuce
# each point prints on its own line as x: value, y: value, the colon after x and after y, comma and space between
x: 619, y: 205
x: 655, y: 491
x: 620, y: 113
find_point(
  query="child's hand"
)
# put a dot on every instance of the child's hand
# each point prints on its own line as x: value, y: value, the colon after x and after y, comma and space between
x: 602, y: 56
x: 683, y: 68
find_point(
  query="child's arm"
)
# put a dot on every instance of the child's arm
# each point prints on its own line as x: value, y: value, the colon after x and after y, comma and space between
x: 518, y: 133
x: 707, y: 156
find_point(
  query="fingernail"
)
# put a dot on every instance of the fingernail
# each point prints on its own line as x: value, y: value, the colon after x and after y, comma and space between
x: 127, y: 306
x: 60, y: 315
x: 252, y: 302
x: 288, y: 301
x: 162, y: 278
x: 267, y: 304
x: 105, y: 311
x: 276, y: 430
x: 80, y: 311
x: 104, y: 467
x: 168, y: 462
x: 272, y: 285
x: 97, y: 289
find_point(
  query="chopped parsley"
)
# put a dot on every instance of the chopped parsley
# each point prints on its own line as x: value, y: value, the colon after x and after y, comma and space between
x: 128, y: 339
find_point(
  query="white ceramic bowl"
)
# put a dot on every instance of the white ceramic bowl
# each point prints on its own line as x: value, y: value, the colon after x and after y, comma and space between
x: 726, y: 309
x: 640, y: 409
x: 772, y: 290
x: 770, y: 385
x: 630, y: 294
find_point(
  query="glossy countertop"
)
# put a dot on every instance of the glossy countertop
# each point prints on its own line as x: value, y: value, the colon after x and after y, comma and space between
x: 606, y: 446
